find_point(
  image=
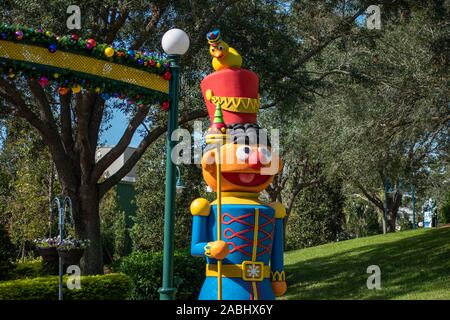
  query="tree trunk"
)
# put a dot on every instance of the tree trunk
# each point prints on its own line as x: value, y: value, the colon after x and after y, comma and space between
x: 393, y: 204
x: 93, y: 256
x: 286, y: 218
x: 87, y: 226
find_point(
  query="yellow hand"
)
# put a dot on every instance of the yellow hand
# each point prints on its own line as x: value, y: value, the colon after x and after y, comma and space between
x: 217, y: 249
x: 279, y: 288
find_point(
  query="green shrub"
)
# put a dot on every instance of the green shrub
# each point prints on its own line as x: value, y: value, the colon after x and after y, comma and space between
x: 33, y: 268
x: 405, y: 224
x: 445, y: 210
x: 101, y: 287
x: 361, y: 218
x: 6, y: 254
x: 28, y: 269
x: 317, y: 216
x: 114, y: 232
x: 145, y: 272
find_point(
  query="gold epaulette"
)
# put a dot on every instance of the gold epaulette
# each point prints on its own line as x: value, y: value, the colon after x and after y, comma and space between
x: 280, y: 210
x: 200, y: 207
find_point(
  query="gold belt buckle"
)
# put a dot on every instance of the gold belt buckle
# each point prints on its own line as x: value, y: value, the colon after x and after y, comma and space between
x: 253, y: 271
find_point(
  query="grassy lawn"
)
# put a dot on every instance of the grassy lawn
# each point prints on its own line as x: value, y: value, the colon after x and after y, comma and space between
x: 414, y: 265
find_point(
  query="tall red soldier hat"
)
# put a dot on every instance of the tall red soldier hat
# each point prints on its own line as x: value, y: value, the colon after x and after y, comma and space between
x: 236, y: 90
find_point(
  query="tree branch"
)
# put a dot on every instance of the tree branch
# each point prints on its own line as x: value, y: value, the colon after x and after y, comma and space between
x: 372, y: 198
x: 44, y: 107
x: 150, y: 24
x: 296, y: 190
x: 10, y: 100
x: 335, y: 34
x: 66, y: 123
x: 95, y: 123
x: 116, y: 24
x: 23, y: 111
x: 51, y: 140
x: 143, y: 145
x: 121, y: 146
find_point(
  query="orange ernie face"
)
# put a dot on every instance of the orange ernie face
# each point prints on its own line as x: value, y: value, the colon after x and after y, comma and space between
x: 244, y: 168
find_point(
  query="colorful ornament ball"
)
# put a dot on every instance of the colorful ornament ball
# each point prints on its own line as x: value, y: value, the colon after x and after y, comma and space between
x: 76, y: 88
x: 19, y: 35
x: 43, y: 81
x: 52, y: 48
x: 90, y: 44
x: 63, y: 91
x: 109, y: 52
x: 165, y: 105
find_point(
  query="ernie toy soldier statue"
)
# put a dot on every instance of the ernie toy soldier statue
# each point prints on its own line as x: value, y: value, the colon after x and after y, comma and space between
x: 240, y: 235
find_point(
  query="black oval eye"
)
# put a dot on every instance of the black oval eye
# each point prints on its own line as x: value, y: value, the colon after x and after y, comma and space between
x: 242, y: 153
x: 220, y: 48
x: 266, y: 153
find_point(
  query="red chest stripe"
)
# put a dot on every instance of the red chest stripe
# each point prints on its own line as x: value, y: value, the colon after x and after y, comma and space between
x: 229, y: 233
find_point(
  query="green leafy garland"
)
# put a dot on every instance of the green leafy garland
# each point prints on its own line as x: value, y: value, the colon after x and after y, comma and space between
x: 74, y: 81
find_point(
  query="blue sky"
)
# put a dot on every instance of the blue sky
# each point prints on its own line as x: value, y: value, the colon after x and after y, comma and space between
x: 361, y: 20
x: 111, y: 136
x: 118, y: 125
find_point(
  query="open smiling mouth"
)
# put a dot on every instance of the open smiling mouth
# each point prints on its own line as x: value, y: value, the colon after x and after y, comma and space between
x: 245, y: 179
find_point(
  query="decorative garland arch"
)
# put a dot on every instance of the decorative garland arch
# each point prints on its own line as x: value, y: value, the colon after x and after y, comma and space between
x: 77, y: 64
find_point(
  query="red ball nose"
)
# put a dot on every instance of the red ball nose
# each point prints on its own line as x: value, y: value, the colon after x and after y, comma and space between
x: 255, y: 160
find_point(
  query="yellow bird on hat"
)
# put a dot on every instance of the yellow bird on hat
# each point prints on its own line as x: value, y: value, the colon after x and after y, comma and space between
x: 224, y: 56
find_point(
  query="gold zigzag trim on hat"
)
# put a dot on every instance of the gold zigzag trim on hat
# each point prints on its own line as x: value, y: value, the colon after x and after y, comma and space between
x: 234, y: 104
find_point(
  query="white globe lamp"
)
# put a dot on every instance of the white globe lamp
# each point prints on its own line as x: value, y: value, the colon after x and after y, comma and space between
x: 175, y: 42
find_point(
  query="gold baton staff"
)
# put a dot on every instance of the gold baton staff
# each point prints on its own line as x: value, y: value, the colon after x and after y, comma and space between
x: 219, y: 223
x: 218, y: 137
